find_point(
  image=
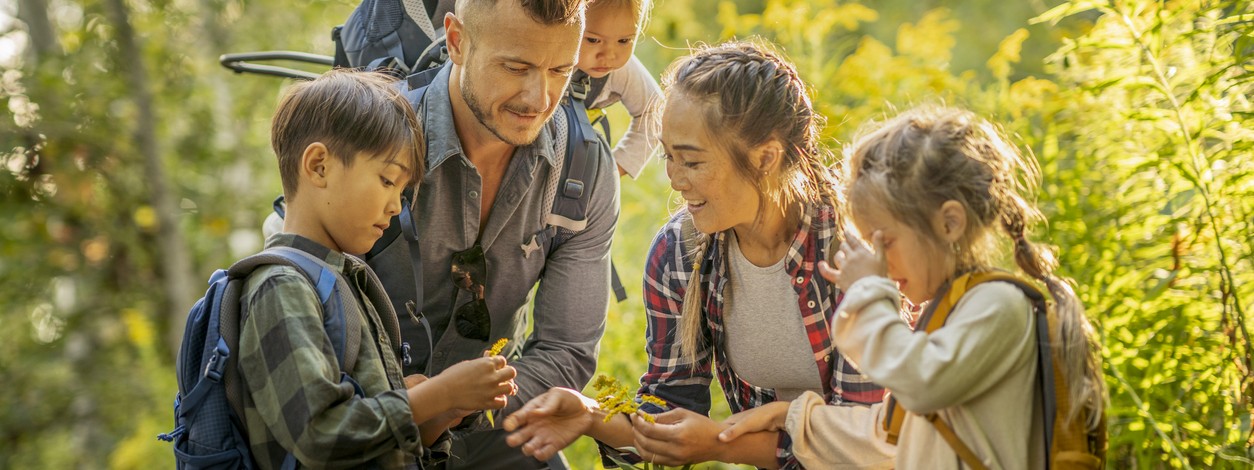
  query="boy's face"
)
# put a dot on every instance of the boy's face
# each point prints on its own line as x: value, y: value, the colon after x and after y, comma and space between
x: 608, y: 41
x: 361, y: 199
x: 513, y: 70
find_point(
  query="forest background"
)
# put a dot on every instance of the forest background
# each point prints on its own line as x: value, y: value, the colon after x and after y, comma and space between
x: 132, y: 165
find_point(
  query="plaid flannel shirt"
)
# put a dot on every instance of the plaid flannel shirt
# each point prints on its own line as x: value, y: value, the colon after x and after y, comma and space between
x: 294, y: 400
x: 687, y: 384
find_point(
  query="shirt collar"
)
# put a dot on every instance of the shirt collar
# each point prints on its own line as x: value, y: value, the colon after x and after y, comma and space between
x: 334, y: 258
x: 441, y: 133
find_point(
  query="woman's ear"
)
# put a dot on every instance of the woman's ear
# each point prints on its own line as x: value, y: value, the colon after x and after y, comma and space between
x: 950, y: 221
x: 768, y: 157
x: 313, y: 164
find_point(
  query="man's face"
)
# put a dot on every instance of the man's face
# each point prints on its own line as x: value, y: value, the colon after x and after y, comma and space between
x: 513, y: 70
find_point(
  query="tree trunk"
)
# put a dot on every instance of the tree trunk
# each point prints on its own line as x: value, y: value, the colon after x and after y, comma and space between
x: 176, y: 271
x: 43, y: 39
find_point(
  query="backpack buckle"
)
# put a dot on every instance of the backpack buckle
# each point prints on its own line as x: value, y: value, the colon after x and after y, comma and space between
x: 579, y: 88
x: 573, y: 188
x: 216, y: 367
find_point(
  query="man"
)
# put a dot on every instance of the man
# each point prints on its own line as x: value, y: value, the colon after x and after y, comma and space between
x: 491, y: 147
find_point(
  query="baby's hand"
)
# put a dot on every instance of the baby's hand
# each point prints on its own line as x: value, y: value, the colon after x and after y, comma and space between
x: 855, y: 261
x: 478, y: 384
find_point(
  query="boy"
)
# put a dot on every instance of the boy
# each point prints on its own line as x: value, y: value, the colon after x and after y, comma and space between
x: 347, y: 145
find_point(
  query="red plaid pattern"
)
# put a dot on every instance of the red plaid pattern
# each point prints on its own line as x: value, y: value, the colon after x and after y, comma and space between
x: 687, y: 384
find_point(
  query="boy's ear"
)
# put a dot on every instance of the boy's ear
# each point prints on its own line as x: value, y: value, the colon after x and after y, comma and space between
x: 313, y: 164
x: 951, y: 221
x: 454, y: 37
x: 768, y: 157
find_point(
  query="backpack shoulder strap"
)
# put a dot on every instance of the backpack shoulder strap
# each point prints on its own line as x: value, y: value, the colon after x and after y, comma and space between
x: 579, y: 165
x: 934, y: 317
x: 343, y: 330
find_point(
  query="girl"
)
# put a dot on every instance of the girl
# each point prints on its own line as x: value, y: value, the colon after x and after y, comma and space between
x: 615, y: 75
x: 938, y: 189
x: 731, y: 275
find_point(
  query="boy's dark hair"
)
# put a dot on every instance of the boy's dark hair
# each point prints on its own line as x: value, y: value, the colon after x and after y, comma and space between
x: 350, y: 112
x: 545, y: 12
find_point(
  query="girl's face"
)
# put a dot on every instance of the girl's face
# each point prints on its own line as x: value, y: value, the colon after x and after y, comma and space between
x: 915, y: 262
x: 702, y: 171
x: 609, y: 38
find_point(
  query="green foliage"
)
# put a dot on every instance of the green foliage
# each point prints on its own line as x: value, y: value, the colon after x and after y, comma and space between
x: 1139, y: 113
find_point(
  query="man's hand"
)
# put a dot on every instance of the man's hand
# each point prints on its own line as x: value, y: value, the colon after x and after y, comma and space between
x: 550, y: 422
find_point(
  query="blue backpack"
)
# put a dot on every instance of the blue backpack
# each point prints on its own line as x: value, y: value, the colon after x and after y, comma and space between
x: 208, y: 410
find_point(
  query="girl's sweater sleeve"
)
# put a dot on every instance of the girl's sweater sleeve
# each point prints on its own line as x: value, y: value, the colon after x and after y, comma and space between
x: 837, y: 436
x: 979, y: 345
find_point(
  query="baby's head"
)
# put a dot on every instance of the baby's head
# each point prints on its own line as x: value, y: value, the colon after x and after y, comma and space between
x: 609, y: 37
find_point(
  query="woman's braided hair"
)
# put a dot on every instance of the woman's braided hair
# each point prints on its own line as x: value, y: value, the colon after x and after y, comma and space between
x: 752, y: 96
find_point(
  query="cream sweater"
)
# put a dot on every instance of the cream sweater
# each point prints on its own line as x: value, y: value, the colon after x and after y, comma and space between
x: 978, y: 372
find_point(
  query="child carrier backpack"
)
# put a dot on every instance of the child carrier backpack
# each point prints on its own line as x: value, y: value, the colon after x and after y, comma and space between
x: 208, y: 409
x: 1068, y: 445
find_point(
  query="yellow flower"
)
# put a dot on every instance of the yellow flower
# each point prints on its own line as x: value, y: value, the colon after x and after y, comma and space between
x: 496, y: 348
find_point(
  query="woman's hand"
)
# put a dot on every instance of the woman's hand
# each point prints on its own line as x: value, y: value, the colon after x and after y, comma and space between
x: 768, y: 417
x: 855, y: 261
x: 679, y: 437
x: 550, y: 422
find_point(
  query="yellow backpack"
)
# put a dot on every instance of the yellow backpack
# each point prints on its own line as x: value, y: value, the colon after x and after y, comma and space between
x: 1071, y: 445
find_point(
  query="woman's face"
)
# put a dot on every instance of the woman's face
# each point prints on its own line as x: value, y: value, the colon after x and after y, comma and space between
x: 702, y: 170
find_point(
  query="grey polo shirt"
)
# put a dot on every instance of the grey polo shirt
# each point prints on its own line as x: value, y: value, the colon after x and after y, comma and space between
x: 572, y: 298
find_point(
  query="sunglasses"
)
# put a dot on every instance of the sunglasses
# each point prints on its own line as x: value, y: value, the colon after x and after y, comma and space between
x: 468, y: 270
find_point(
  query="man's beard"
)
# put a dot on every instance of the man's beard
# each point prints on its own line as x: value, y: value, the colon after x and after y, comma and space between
x: 481, y: 114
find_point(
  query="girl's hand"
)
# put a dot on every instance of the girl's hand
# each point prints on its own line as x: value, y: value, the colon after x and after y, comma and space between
x: 768, y: 417
x: 679, y: 437
x: 550, y: 422
x: 855, y: 261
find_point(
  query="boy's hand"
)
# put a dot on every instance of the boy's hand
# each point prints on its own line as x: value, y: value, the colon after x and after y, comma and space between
x: 434, y: 427
x: 413, y: 380
x: 477, y: 384
x: 855, y: 261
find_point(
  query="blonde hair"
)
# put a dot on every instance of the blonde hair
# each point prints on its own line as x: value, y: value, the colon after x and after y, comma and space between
x: 913, y: 163
x: 752, y: 96
x: 639, y: 8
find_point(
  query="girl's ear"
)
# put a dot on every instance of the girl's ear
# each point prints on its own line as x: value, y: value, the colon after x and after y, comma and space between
x: 768, y: 157
x: 950, y: 221
x: 313, y: 164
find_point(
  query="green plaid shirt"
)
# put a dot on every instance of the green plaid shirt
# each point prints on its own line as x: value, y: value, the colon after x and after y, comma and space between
x: 294, y: 400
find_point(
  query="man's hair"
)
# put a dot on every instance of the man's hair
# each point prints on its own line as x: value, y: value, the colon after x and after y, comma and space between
x: 545, y: 12
x: 350, y: 112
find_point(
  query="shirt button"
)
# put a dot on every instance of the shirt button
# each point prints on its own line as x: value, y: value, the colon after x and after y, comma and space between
x: 800, y: 279
x: 810, y: 304
x: 474, y: 194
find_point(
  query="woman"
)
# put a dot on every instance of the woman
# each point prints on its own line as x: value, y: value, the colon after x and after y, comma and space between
x: 731, y: 275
